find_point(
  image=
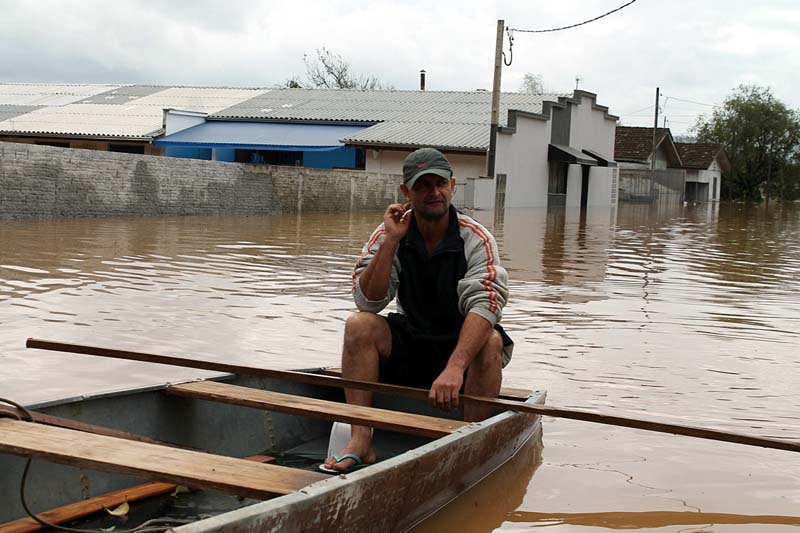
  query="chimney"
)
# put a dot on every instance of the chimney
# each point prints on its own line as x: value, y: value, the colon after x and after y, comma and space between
x: 422, y: 80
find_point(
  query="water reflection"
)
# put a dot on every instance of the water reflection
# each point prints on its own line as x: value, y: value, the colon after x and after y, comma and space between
x: 687, y: 314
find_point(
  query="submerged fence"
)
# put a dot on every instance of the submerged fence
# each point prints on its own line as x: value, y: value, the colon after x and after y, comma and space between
x: 645, y: 186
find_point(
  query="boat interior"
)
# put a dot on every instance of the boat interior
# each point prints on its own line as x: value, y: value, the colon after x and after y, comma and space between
x: 234, y: 440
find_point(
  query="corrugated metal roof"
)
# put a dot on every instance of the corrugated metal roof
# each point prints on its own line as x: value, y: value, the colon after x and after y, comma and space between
x: 438, y: 135
x: 48, y: 93
x: 11, y: 111
x: 140, y: 117
x: 122, y: 95
x: 472, y: 107
x: 455, y: 119
x: 89, y: 119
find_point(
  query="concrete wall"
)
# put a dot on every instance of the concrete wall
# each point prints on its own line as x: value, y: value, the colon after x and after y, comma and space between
x: 44, y: 181
x: 522, y: 156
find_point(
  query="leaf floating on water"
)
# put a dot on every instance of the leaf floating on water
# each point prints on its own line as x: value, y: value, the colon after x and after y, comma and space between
x: 180, y: 489
x: 120, y: 510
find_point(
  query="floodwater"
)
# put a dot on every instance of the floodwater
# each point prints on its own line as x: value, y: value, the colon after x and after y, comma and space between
x: 687, y: 316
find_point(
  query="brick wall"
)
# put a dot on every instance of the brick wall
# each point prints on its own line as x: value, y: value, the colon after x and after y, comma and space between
x: 45, y: 181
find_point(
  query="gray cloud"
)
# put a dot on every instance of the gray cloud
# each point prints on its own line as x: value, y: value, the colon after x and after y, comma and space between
x: 693, y: 50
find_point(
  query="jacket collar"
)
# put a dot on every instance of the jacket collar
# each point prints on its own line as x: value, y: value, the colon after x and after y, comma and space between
x: 452, y: 241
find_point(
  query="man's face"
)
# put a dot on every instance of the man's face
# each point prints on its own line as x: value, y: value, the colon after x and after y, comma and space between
x: 430, y: 196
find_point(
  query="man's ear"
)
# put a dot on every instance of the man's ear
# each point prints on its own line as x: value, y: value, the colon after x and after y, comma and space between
x: 452, y: 184
x: 404, y: 190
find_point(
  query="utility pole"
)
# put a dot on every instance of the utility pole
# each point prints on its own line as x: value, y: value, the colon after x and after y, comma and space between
x: 653, y: 153
x: 655, y: 136
x: 498, y: 70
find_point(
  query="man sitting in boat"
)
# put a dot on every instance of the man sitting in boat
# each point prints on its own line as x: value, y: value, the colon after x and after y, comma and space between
x: 444, y: 269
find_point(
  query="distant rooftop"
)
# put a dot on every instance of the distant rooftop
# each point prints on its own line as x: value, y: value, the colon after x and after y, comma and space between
x: 635, y: 144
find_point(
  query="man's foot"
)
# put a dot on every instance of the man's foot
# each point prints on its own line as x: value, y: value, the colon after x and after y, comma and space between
x: 358, y: 447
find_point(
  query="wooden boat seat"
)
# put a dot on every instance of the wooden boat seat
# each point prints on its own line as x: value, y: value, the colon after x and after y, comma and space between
x: 426, y: 426
x: 506, y: 393
x: 152, y: 461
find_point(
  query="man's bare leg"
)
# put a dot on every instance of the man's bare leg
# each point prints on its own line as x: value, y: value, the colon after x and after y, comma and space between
x: 484, y: 377
x: 367, y: 339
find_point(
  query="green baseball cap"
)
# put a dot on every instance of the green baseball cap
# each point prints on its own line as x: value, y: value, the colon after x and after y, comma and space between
x: 425, y: 161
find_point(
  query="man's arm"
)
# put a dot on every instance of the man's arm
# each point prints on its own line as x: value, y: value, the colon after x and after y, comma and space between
x: 474, y: 334
x: 482, y: 294
x: 372, y: 283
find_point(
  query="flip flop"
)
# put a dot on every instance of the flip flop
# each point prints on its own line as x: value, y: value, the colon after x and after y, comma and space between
x: 358, y: 466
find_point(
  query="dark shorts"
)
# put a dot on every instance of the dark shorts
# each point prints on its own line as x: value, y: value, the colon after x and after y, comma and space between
x: 417, y: 358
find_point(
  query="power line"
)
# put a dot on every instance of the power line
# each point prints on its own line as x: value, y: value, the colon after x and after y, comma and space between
x: 575, y: 25
x: 689, y: 101
x: 639, y: 110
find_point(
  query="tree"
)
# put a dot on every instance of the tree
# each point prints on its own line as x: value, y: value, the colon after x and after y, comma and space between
x: 329, y: 70
x: 532, y: 84
x: 760, y: 136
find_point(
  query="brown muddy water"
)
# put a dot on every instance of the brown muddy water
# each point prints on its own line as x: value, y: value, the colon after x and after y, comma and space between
x: 687, y: 316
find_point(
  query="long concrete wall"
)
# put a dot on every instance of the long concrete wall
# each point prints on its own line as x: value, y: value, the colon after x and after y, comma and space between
x: 45, y: 182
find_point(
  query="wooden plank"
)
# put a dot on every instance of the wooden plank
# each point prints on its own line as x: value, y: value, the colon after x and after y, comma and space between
x: 141, y: 459
x: 90, y: 506
x: 506, y: 393
x: 57, y: 421
x: 426, y: 426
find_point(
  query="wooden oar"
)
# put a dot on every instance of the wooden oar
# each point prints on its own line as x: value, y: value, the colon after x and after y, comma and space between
x: 330, y: 381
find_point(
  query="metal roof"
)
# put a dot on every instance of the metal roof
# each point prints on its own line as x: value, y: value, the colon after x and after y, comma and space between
x: 11, y: 111
x: 121, y: 95
x: 48, y: 93
x: 260, y: 136
x: 136, y: 122
x: 352, y: 105
x: 132, y: 112
x: 445, y: 119
x: 437, y: 135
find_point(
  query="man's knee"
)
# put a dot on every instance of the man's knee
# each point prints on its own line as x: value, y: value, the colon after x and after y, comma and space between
x: 490, y: 357
x: 364, y: 327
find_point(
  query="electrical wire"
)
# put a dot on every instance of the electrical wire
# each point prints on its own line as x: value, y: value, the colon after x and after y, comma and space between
x: 575, y: 25
x: 155, y: 525
x: 689, y: 101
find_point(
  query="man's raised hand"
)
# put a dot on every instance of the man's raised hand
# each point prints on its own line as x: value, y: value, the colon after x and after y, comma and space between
x: 396, y: 220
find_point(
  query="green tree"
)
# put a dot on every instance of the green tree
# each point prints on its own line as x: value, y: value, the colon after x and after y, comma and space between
x: 761, y: 136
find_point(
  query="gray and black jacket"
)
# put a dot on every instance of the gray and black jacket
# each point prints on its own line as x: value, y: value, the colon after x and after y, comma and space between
x: 435, y: 293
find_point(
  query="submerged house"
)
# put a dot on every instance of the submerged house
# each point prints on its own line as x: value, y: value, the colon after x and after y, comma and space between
x: 551, y: 149
x: 685, y: 171
x: 704, y: 164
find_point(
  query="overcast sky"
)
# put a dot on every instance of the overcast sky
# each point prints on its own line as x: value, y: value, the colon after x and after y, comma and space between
x: 697, y: 50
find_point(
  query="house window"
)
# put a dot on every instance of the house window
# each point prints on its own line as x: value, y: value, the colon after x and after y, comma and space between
x: 557, y: 184
x: 285, y: 158
x: 361, y: 158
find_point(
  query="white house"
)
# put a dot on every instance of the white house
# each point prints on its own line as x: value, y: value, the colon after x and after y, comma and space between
x: 704, y: 164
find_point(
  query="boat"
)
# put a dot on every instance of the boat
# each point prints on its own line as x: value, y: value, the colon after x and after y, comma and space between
x: 247, y: 448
